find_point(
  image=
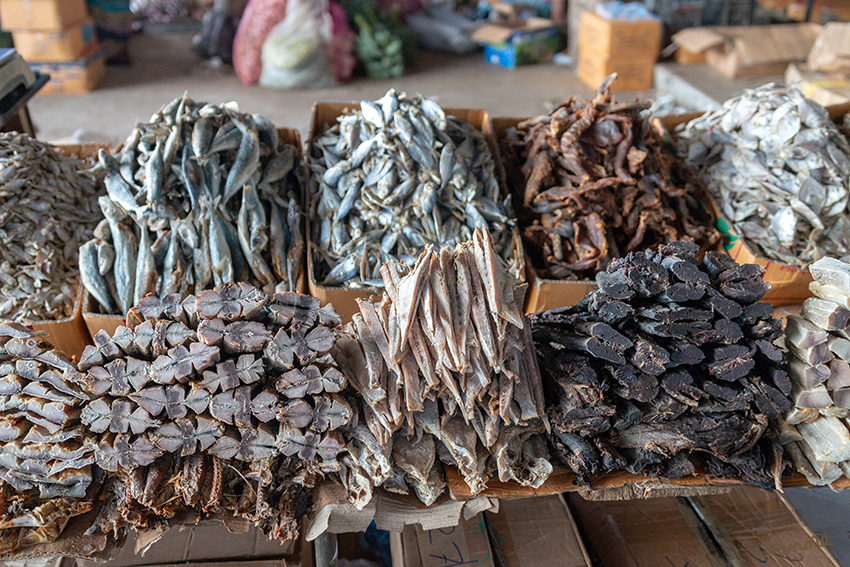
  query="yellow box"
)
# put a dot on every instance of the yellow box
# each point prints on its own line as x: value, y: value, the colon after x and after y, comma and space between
x: 75, y: 77
x: 632, y: 74
x: 617, y: 39
x: 62, y: 46
x: 41, y: 14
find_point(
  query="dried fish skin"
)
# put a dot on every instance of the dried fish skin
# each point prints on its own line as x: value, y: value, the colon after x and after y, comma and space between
x: 182, y: 223
x: 418, y: 393
x: 596, y: 182
x: 384, y: 190
x: 205, y: 429
x: 760, y: 168
x: 671, y: 390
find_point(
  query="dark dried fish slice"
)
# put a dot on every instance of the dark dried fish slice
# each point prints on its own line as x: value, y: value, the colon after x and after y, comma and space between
x: 297, y: 413
x: 230, y: 302
x: 12, y: 428
x: 118, y: 372
x: 198, y: 398
x: 225, y: 377
x: 152, y: 399
x: 291, y: 441
x: 140, y: 420
x: 265, y: 406
x: 297, y: 383
x: 249, y: 369
x: 97, y: 415
x: 295, y: 309
x: 233, y: 407
x: 280, y: 351
x: 211, y: 331
x: 246, y: 336
x: 175, y: 396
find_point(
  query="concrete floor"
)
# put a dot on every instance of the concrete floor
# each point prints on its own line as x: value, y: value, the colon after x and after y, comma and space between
x: 163, y: 68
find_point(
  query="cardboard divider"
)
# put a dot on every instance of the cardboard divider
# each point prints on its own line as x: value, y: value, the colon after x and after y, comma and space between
x: 96, y: 321
x: 343, y: 299
x: 788, y: 285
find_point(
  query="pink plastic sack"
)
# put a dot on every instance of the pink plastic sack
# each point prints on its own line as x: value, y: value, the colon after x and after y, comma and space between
x: 340, y: 50
x: 259, y: 18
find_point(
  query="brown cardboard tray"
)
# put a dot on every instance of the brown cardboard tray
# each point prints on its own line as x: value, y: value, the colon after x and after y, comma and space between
x: 788, y: 285
x: 325, y: 114
x: 96, y: 321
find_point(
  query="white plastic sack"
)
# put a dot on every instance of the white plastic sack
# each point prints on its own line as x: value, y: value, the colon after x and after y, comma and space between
x: 294, y: 51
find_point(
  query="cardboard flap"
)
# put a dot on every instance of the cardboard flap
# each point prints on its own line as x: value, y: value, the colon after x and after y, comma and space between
x: 767, y: 44
x: 835, y: 37
x: 698, y: 40
x: 502, y: 32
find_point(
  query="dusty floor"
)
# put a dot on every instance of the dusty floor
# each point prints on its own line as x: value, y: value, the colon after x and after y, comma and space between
x: 163, y: 68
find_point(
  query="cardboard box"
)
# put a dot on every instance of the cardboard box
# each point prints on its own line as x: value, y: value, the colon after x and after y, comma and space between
x: 750, y: 51
x: 831, y: 51
x: 538, y: 532
x: 688, y: 57
x: 44, y: 15
x: 60, y: 46
x: 465, y: 544
x: 514, y: 43
x: 345, y: 300
x: 95, y: 321
x: 627, y: 47
x: 208, y: 543
x: 76, y: 77
x: 826, y: 89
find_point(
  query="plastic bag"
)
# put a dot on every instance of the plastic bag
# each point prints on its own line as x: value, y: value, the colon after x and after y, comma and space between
x: 258, y: 19
x: 293, y: 53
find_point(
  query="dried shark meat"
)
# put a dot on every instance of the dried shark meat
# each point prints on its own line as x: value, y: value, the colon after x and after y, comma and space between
x: 224, y: 401
x: 46, y: 456
x: 597, y: 182
x: 668, y: 368
x: 199, y: 196
x: 779, y: 168
x: 397, y: 175
x: 49, y: 208
x: 815, y: 431
x: 446, y: 374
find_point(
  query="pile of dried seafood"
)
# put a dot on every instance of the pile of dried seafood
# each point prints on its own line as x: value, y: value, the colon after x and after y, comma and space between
x: 815, y: 431
x: 48, y: 209
x: 199, y: 196
x: 780, y: 169
x: 598, y: 183
x: 667, y: 369
x: 225, y: 402
x: 45, y: 454
x: 397, y: 175
x: 446, y: 372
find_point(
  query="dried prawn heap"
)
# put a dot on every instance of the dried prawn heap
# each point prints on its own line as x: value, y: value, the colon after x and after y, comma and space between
x: 225, y: 402
x: 397, y: 175
x: 45, y: 453
x: 446, y: 372
x: 668, y: 369
x: 199, y: 196
x: 779, y: 168
x: 598, y: 183
x: 47, y: 209
x: 815, y: 431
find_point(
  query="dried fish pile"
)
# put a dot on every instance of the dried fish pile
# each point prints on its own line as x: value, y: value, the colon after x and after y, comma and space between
x: 815, y: 432
x: 446, y: 374
x: 199, y: 196
x: 226, y: 401
x: 599, y: 183
x: 45, y: 454
x: 48, y: 209
x: 779, y: 168
x: 395, y: 176
x: 668, y: 369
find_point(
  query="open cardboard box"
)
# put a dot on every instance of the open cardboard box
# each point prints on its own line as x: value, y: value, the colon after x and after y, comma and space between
x: 788, y: 285
x: 96, y: 321
x: 343, y: 299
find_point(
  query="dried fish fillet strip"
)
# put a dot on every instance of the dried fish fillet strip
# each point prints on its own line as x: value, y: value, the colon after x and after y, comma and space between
x: 481, y: 412
x: 678, y: 385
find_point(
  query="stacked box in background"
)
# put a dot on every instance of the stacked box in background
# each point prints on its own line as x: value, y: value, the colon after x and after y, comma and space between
x: 56, y: 37
x: 627, y: 47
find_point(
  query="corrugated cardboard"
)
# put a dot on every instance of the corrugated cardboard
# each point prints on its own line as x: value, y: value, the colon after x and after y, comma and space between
x: 536, y: 532
x: 824, y: 88
x: 60, y: 46
x: 75, y: 77
x: 41, y: 14
x: 464, y: 544
x: 831, y: 51
x: 96, y: 321
x: 627, y: 47
x: 643, y: 533
x: 756, y: 527
x: 345, y: 300
x: 750, y: 51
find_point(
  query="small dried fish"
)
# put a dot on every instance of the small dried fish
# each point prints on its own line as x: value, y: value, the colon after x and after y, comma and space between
x: 395, y: 176
x: 49, y: 208
x: 182, y: 222
x: 779, y: 168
